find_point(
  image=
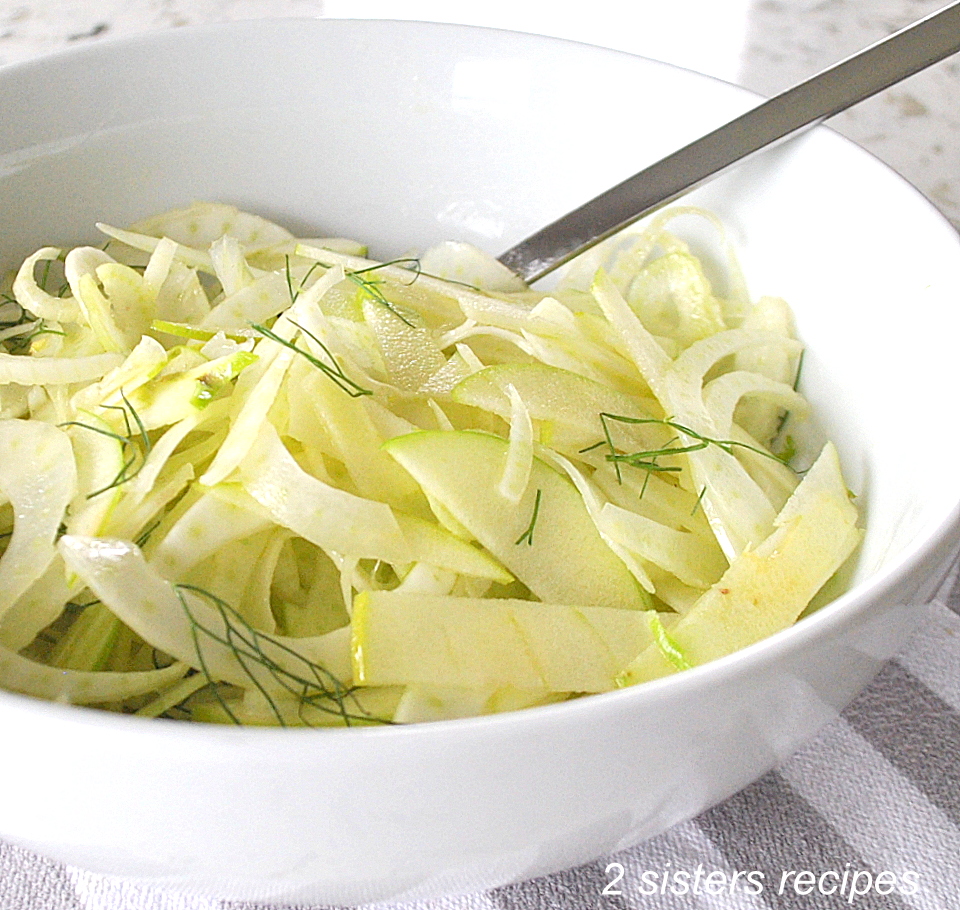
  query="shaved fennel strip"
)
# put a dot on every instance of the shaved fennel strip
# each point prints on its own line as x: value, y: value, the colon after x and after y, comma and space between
x: 696, y: 360
x: 329, y: 517
x: 516, y: 472
x: 158, y: 266
x: 56, y: 370
x: 39, y: 480
x: 250, y: 417
x: 196, y: 259
x: 186, y: 626
x: 80, y: 687
x: 38, y: 606
x: 33, y: 298
x: 722, y: 395
x: 222, y: 514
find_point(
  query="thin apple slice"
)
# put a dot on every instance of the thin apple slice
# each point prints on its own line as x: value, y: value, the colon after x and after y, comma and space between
x: 475, y: 643
x: 767, y: 588
x: 547, y: 539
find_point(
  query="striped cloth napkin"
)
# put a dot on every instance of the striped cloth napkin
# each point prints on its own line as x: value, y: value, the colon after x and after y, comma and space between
x: 867, y: 816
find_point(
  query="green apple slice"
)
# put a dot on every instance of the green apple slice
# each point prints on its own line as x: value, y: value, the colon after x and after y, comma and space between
x: 547, y: 540
x: 432, y: 544
x: 767, y: 588
x: 550, y: 393
x: 413, y: 639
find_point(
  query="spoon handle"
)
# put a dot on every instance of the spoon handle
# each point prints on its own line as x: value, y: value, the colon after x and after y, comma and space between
x: 834, y: 89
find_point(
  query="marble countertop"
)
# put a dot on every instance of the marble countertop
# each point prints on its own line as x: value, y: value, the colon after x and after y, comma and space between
x: 765, y: 45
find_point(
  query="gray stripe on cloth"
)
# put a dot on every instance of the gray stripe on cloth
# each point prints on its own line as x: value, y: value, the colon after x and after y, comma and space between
x: 576, y: 889
x: 48, y: 886
x: 933, y: 653
x: 771, y: 828
x: 915, y: 731
x: 879, y: 812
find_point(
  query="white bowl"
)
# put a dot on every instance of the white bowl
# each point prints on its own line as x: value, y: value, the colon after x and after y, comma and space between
x: 403, y: 134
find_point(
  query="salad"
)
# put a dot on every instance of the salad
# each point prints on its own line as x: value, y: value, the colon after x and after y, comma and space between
x: 250, y: 478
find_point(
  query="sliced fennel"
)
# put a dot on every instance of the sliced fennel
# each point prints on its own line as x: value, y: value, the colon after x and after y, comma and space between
x: 251, y: 478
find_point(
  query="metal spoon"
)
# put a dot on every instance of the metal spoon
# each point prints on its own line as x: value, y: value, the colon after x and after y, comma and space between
x: 836, y: 88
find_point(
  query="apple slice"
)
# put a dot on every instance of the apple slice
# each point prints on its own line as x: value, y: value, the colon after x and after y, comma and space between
x: 414, y: 639
x: 767, y: 588
x: 547, y: 540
